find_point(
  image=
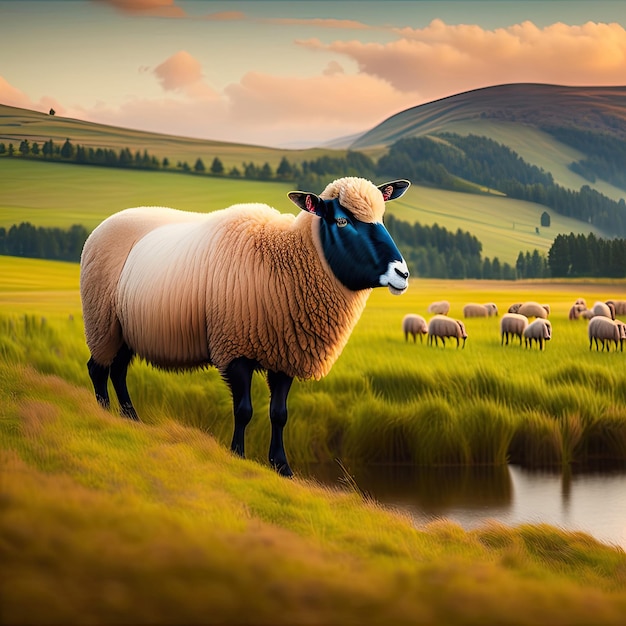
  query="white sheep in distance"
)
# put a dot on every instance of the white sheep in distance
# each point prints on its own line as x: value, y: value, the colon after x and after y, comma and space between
x: 441, y: 307
x: 619, y: 306
x: 492, y: 309
x: 442, y: 326
x: 514, y: 308
x: 414, y: 325
x: 603, y: 309
x: 475, y: 310
x: 603, y: 330
x: 534, y: 309
x: 512, y: 325
x: 243, y: 289
x: 540, y: 330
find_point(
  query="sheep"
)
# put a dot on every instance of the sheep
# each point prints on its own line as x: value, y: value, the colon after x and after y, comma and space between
x: 602, y: 330
x: 475, y: 310
x: 540, y: 331
x: 577, y: 309
x: 512, y: 325
x: 414, y: 325
x: 442, y: 326
x: 243, y: 289
x: 603, y: 309
x: 618, y: 305
x: 514, y: 308
x: 441, y: 307
x: 492, y: 309
x: 534, y: 309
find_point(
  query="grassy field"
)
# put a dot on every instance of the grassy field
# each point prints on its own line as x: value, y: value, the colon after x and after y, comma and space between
x: 106, y: 521
x: 67, y: 194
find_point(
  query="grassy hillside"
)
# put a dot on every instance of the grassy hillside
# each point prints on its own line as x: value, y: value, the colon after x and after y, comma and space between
x: 72, y: 194
x: 106, y: 521
x: 18, y: 124
x: 514, y: 115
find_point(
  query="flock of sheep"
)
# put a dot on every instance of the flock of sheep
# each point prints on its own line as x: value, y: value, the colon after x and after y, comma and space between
x: 528, y: 321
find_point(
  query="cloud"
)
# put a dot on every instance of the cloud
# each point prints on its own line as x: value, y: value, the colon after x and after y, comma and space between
x: 151, y: 8
x: 443, y: 59
x: 183, y: 73
x: 11, y: 96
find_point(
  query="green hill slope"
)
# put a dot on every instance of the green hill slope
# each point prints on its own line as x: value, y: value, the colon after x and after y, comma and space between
x: 515, y: 115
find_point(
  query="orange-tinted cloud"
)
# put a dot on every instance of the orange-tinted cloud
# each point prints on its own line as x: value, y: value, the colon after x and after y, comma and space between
x: 153, y: 8
x: 13, y: 97
x: 442, y: 59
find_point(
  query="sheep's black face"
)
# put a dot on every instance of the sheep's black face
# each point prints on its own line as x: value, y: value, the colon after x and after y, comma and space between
x: 362, y: 255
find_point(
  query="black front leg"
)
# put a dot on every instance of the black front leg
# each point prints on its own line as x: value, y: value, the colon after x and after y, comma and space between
x: 238, y: 375
x: 99, y: 375
x: 279, y: 384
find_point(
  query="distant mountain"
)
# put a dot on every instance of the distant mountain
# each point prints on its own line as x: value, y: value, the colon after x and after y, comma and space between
x: 598, y: 109
x: 577, y: 134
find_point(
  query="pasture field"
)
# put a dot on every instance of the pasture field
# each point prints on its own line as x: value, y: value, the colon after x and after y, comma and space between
x: 60, y: 195
x: 106, y: 521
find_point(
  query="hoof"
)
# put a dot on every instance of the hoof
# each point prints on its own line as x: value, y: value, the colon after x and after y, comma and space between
x: 283, y: 469
x: 128, y: 411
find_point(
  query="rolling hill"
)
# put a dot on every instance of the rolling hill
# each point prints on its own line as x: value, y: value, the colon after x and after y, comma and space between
x: 517, y: 116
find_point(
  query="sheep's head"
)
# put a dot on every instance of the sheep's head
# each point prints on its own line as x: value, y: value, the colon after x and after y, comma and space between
x: 356, y: 244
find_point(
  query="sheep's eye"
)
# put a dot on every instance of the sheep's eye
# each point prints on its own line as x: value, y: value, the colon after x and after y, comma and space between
x: 341, y: 222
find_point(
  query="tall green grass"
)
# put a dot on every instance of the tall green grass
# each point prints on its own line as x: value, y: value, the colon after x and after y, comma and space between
x: 386, y: 400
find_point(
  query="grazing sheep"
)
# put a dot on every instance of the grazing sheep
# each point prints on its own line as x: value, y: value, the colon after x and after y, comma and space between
x: 414, y: 325
x: 514, y: 308
x: 603, y: 309
x: 587, y: 314
x: 534, y: 309
x: 492, y: 309
x: 618, y: 305
x: 441, y: 326
x: 442, y: 307
x: 581, y: 302
x: 475, y: 310
x: 602, y: 330
x: 540, y: 331
x: 243, y: 289
x: 576, y: 310
x: 512, y: 325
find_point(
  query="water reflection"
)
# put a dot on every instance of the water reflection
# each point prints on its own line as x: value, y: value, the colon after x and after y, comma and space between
x: 594, y: 502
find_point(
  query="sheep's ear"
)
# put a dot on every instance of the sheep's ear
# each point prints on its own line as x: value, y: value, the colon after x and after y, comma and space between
x: 308, y: 202
x: 394, y: 189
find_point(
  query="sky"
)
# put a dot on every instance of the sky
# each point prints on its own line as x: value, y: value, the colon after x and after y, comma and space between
x: 291, y: 73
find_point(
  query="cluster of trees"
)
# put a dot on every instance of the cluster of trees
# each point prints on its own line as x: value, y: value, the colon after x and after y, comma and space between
x: 435, y: 252
x: 580, y: 256
x: 33, y: 242
x: 606, y: 154
x: 441, y: 159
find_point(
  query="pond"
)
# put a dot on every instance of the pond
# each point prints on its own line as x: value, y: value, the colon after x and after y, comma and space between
x: 590, y: 501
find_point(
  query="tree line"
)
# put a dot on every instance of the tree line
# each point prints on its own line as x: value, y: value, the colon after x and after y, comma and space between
x: 26, y: 240
x: 444, y: 158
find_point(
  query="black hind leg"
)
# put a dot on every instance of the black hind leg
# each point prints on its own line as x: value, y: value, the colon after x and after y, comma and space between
x: 99, y: 375
x: 238, y: 375
x: 118, y: 371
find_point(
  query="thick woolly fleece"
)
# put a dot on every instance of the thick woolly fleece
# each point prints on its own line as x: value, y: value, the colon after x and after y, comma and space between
x: 184, y: 290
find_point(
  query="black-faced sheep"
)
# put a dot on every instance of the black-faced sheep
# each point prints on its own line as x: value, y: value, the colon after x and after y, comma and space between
x: 534, y: 309
x: 603, y: 330
x: 442, y: 326
x: 441, y: 307
x: 540, y: 331
x: 512, y: 325
x: 414, y: 325
x: 475, y: 310
x: 514, y: 308
x: 244, y: 289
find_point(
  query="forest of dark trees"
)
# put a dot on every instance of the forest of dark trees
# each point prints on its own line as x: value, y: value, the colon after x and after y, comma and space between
x: 446, y: 161
x: 606, y: 154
